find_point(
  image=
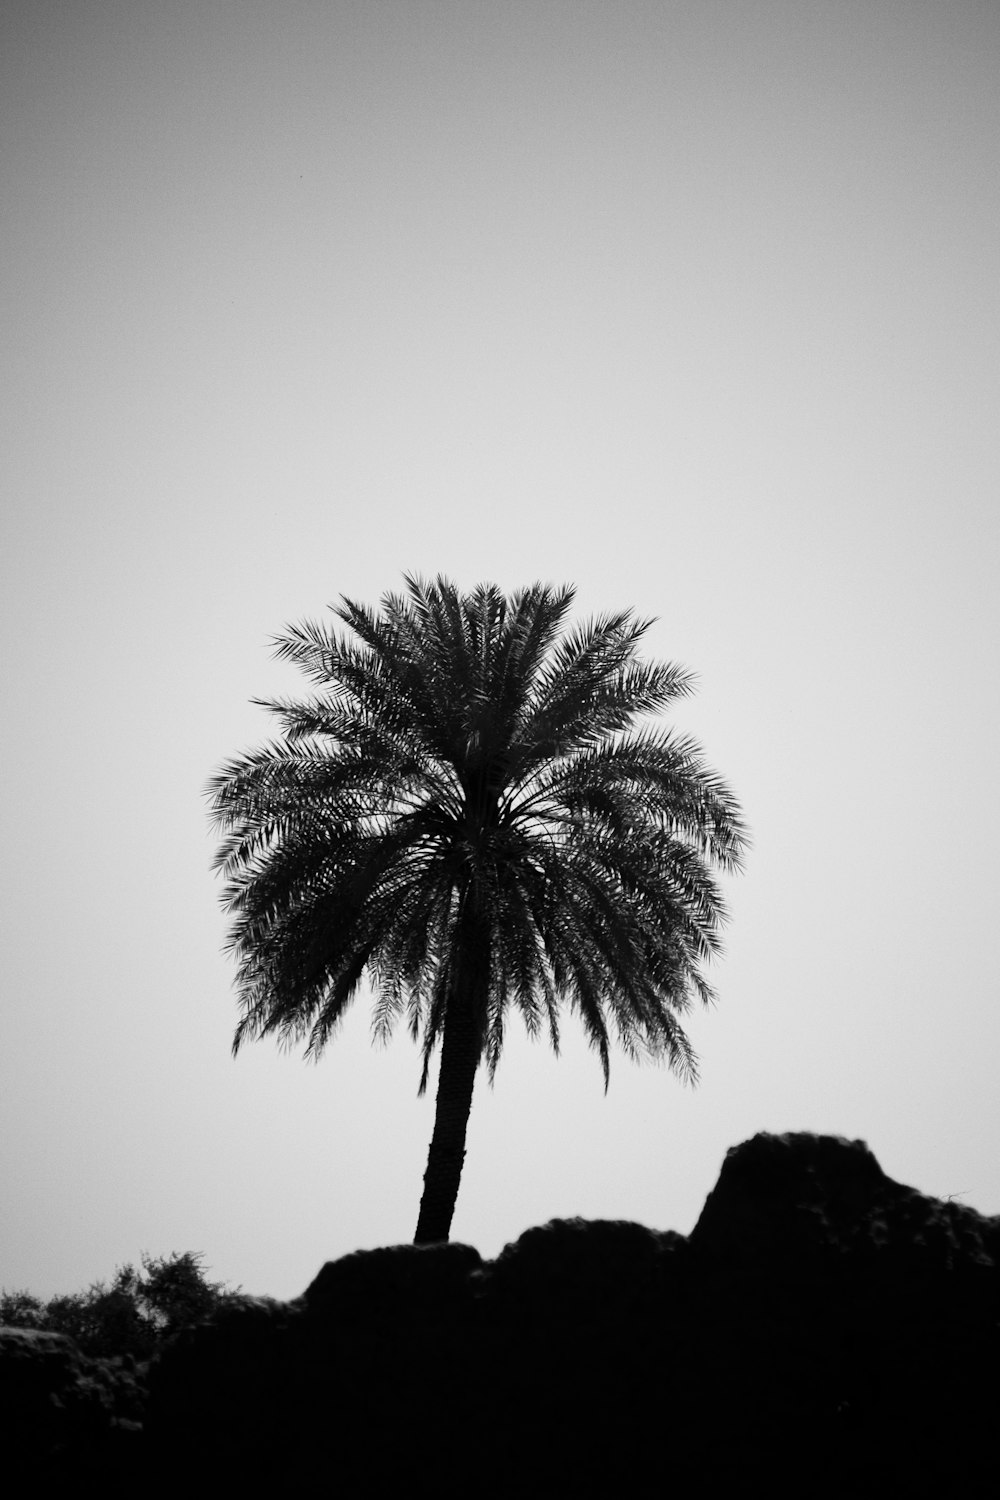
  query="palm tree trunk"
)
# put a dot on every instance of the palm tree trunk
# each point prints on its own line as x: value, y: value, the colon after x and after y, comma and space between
x: 461, y: 1049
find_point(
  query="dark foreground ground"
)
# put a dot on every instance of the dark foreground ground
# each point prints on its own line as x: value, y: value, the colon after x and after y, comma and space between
x: 824, y: 1331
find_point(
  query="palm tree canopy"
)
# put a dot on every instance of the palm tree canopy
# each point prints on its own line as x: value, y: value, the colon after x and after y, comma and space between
x: 469, y: 813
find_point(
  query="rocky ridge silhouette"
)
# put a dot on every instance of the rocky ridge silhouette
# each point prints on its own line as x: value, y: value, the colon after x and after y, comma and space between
x: 824, y: 1330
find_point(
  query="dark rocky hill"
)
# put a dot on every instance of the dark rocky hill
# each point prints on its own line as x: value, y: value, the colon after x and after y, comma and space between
x: 824, y: 1331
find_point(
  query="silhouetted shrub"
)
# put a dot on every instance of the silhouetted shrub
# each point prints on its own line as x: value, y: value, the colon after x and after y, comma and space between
x: 21, y: 1310
x: 132, y: 1316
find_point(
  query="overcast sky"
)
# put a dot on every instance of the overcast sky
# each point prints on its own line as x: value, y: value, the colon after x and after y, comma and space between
x: 694, y: 305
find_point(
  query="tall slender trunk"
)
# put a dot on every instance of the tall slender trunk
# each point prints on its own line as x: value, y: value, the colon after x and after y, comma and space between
x: 461, y: 1049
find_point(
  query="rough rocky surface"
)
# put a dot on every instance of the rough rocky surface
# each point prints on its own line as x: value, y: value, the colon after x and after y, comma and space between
x: 813, y: 1200
x: 824, y: 1331
x: 66, y: 1418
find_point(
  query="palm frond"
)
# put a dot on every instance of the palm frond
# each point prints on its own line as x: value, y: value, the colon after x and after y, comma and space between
x: 467, y: 753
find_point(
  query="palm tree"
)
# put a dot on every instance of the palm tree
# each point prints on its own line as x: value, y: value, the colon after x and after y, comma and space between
x: 466, y: 818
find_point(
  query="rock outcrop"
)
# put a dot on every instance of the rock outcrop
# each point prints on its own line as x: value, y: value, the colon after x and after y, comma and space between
x: 807, y: 1200
x: 67, y: 1418
x: 824, y: 1331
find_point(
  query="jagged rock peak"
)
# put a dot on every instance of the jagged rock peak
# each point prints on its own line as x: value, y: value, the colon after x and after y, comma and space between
x: 801, y: 1197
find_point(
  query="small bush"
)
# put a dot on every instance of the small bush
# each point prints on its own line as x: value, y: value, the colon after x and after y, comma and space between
x: 133, y: 1316
x: 21, y: 1310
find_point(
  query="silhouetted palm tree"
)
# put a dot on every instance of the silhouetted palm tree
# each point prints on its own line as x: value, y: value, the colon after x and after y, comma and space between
x: 466, y: 818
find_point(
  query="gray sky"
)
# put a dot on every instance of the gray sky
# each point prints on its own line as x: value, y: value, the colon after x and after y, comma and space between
x: 692, y: 304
